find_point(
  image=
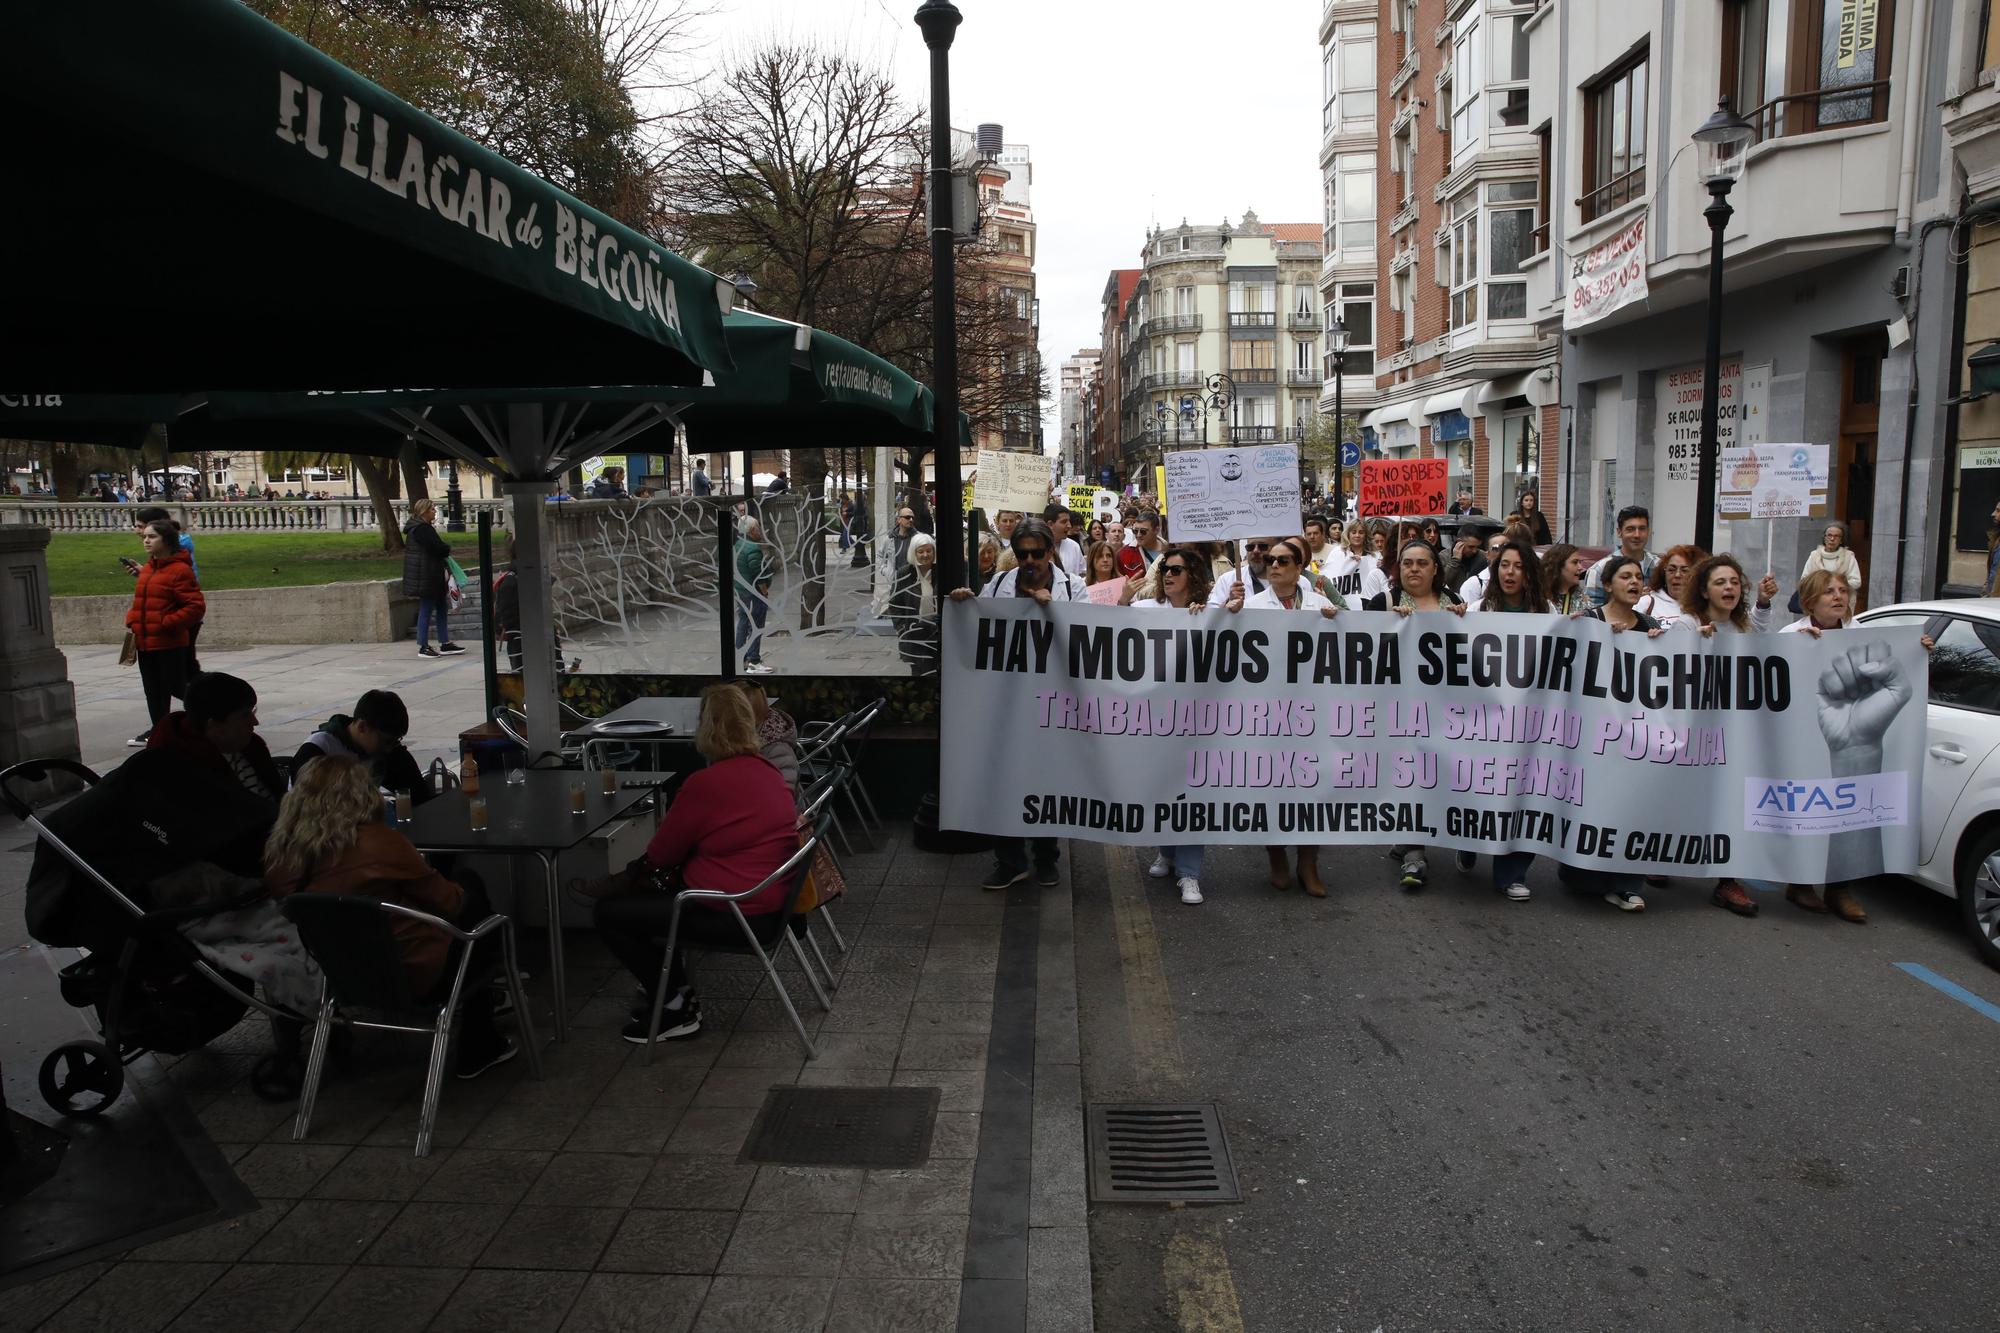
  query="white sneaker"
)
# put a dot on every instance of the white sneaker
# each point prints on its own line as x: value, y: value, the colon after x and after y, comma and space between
x: 1190, y: 890
x: 756, y: 669
x: 1625, y: 900
x: 1517, y: 893
x: 1161, y: 867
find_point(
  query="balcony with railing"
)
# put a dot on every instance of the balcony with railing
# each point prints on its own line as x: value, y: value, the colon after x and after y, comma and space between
x: 1172, y: 324
x: 1017, y: 439
x: 1306, y: 376
x: 1253, y: 319
x: 1303, y: 319
x: 1173, y: 379
x: 1614, y: 193
x: 1253, y: 434
x: 1254, y: 375
x: 1821, y: 109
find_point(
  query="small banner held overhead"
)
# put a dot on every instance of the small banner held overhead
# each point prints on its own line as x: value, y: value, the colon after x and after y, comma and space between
x: 1226, y: 494
x: 1392, y: 486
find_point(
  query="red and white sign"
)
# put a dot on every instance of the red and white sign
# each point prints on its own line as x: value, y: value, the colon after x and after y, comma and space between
x: 1607, y: 277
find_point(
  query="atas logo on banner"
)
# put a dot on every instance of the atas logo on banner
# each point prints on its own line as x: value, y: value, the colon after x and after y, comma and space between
x: 1825, y: 805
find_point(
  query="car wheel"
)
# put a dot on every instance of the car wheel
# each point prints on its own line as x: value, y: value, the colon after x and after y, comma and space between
x: 1979, y: 897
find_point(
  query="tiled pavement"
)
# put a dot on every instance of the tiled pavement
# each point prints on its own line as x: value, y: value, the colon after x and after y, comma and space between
x: 609, y: 1194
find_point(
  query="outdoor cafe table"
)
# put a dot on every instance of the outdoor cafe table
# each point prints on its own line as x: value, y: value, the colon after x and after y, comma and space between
x: 655, y: 720
x: 532, y: 818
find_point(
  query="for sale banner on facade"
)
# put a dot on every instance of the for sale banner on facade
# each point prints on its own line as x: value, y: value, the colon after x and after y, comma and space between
x: 1773, y: 756
x: 1607, y: 277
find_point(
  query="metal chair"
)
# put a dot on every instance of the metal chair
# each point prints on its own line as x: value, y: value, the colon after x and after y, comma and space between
x: 847, y: 737
x: 350, y: 936
x: 819, y: 760
x: 819, y: 795
x: 760, y: 941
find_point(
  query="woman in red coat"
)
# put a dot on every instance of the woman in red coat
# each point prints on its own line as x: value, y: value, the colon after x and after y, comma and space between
x: 166, y: 605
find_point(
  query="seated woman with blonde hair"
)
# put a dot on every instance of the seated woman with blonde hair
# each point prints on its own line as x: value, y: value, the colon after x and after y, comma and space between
x: 730, y: 825
x: 330, y: 838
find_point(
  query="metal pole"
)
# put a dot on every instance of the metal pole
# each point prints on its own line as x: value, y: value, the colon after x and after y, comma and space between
x: 1339, y: 444
x: 1718, y: 213
x: 454, y: 499
x: 725, y: 582
x: 488, y: 657
x: 939, y: 20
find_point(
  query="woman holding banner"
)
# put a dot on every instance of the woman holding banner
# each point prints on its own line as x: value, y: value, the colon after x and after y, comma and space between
x: 1287, y: 589
x: 1184, y: 583
x: 1563, y: 571
x: 1827, y: 603
x: 1713, y: 600
x: 1669, y: 583
x: 1624, y: 585
x: 1516, y: 582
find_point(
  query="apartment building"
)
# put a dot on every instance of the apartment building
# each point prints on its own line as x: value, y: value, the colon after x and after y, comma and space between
x: 1114, y: 305
x: 1078, y: 385
x: 1461, y: 368
x: 1349, y: 32
x: 1239, y: 301
x: 1970, y: 95
x: 1839, y: 285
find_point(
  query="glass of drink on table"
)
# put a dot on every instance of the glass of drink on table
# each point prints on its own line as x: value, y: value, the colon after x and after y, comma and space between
x: 515, y: 766
x: 475, y: 813
x: 576, y: 797
x: 404, y: 806
x: 608, y: 781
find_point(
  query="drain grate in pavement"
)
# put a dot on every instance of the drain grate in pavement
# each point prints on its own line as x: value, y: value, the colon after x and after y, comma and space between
x: 1159, y: 1152
x: 878, y: 1127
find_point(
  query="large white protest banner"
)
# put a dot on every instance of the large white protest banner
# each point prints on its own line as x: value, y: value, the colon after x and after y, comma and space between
x: 1219, y: 495
x: 1773, y: 756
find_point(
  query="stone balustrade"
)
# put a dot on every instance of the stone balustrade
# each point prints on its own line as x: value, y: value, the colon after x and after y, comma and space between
x: 209, y: 516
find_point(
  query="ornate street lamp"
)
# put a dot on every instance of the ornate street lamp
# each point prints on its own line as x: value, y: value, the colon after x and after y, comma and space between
x: 1218, y: 392
x: 1723, y: 139
x: 1336, y: 343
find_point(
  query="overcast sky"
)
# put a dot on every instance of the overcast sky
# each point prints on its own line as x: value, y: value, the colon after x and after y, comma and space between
x: 1136, y: 113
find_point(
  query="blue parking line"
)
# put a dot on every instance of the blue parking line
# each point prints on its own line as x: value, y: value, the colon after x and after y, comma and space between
x: 1953, y: 989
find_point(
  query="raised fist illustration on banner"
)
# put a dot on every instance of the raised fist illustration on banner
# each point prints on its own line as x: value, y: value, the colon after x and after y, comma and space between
x: 1860, y: 694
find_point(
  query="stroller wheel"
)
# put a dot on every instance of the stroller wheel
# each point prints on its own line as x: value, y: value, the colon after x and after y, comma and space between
x: 81, y: 1078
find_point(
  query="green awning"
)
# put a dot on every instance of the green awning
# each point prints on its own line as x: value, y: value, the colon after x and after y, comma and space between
x: 789, y: 386
x: 197, y: 200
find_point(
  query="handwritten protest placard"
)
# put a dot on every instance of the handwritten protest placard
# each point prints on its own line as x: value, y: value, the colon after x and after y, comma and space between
x: 1091, y: 501
x: 1391, y: 486
x: 1012, y: 481
x: 1224, y: 494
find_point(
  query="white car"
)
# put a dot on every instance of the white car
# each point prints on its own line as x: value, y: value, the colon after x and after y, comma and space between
x: 1958, y: 848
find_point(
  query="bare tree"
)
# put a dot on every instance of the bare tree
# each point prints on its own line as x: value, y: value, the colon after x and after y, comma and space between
x: 801, y: 167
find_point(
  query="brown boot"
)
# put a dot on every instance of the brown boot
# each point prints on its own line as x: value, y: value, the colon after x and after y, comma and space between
x: 1281, y: 869
x: 1730, y: 895
x: 1309, y: 872
x: 1802, y: 895
x: 1845, y: 905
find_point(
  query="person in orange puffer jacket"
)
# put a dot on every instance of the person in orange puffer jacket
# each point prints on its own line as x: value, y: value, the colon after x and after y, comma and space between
x: 166, y: 605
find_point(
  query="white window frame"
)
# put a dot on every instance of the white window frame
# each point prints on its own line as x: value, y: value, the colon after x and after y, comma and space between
x: 1468, y: 75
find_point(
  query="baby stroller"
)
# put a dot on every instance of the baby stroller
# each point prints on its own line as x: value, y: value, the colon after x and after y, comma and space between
x: 152, y: 989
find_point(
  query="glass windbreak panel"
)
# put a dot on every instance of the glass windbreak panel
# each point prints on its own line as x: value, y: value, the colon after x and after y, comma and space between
x: 637, y: 582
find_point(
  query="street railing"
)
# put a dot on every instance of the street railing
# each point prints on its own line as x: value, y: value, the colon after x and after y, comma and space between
x: 347, y: 515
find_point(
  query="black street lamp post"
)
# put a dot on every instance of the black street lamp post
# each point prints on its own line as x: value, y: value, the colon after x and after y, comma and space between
x: 1723, y: 139
x: 1336, y: 343
x: 939, y: 20
x: 454, y: 499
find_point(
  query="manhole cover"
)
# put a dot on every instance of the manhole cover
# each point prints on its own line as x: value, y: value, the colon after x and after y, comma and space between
x: 1159, y: 1152
x: 879, y: 1127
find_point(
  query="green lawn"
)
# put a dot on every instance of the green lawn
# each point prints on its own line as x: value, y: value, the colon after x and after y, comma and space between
x: 86, y: 563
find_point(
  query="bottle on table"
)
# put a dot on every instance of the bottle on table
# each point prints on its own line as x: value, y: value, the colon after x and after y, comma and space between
x: 468, y: 775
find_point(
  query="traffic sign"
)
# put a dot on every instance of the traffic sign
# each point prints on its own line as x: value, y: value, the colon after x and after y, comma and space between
x: 1350, y: 454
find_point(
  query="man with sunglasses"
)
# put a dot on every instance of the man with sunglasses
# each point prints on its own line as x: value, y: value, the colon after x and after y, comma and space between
x: 899, y: 540
x: 1035, y: 574
x: 1247, y: 579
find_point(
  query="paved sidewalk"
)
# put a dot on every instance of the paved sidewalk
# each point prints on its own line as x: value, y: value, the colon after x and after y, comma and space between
x: 609, y: 1194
